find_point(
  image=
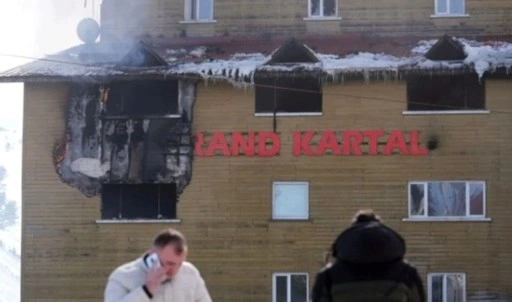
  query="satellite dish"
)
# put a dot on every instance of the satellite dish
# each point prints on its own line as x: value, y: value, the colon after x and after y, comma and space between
x: 88, y: 30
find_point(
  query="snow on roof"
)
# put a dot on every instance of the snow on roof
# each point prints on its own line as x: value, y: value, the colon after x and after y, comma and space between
x: 481, y: 57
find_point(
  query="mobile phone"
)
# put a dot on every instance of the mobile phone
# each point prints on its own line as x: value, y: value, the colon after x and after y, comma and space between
x: 152, y: 261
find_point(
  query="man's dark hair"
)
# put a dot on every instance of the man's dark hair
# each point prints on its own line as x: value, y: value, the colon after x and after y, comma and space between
x: 366, y: 216
x: 171, y: 236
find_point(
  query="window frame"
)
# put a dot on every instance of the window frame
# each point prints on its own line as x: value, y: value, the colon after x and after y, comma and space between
x: 188, y: 11
x: 467, y: 216
x: 158, y: 187
x: 445, y: 275
x: 121, y: 87
x: 292, y: 218
x: 448, y: 12
x: 288, y: 276
x: 262, y: 87
x: 321, y: 15
x: 411, y: 95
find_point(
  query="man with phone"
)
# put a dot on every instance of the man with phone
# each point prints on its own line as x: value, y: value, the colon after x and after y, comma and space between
x: 160, y: 275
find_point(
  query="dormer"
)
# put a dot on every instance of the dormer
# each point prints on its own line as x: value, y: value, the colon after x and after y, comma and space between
x: 298, y: 92
x: 141, y: 55
x: 446, y: 49
x: 292, y: 52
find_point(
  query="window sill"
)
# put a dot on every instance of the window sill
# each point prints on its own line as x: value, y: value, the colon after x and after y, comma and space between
x: 117, y: 117
x: 197, y: 21
x: 448, y: 219
x: 450, y: 16
x: 442, y: 112
x: 290, y: 220
x: 321, y: 18
x: 290, y: 114
x: 118, y: 221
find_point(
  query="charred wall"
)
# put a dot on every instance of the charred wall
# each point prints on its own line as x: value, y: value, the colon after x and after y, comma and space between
x: 126, y: 147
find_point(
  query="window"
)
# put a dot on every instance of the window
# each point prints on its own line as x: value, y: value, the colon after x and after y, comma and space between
x: 198, y: 10
x: 446, y: 287
x: 290, y: 200
x: 290, y: 287
x: 450, y: 7
x: 450, y: 92
x: 142, y: 98
x: 288, y: 96
x: 323, y: 8
x: 444, y: 199
x: 138, y: 201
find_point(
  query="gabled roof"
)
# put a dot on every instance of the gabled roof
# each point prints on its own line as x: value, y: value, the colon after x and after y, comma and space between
x: 142, y: 56
x: 238, y: 59
x: 446, y: 49
x: 293, y: 52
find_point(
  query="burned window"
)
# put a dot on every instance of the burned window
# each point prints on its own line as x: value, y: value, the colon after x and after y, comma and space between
x: 143, y: 98
x: 450, y: 92
x: 288, y: 95
x: 139, y: 201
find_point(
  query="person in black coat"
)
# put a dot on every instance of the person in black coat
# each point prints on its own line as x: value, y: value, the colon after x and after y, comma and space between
x: 369, y: 265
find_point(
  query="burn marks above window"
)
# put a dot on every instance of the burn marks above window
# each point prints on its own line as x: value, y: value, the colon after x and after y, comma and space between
x: 445, y: 92
x: 143, y: 98
x: 140, y: 201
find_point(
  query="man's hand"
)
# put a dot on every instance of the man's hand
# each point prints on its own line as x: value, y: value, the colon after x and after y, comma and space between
x: 154, y: 279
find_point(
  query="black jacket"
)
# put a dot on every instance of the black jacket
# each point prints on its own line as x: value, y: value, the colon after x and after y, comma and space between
x: 369, y: 266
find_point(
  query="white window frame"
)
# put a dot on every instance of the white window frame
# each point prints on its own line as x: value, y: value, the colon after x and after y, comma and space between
x: 445, y: 275
x: 321, y: 16
x: 468, y: 215
x: 288, y: 284
x: 188, y: 11
x: 301, y: 183
x: 448, y: 12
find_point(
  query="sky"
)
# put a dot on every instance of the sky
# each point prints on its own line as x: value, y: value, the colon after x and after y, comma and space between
x: 31, y: 29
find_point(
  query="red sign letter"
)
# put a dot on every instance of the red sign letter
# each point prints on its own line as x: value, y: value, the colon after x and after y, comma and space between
x: 218, y: 142
x: 238, y: 141
x: 374, y: 141
x: 415, y: 145
x: 199, y: 144
x: 354, y: 144
x: 262, y: 141
x: 300, y: 144
x: 396, y: 140
x: 328, y: 141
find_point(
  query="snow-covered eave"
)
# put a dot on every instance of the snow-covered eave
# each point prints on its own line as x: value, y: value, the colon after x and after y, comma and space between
x: 243, y: 71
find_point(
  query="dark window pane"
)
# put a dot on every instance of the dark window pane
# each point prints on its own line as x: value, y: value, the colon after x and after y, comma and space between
x: 281, y: 289
x: 417, y: 199
x: 299, y: 292
x: 476, y: 198
x: 288, y: 95
x: 138, y: 98
x: 315, y: 8
x: 139, y: 201
x: 329, y: 8
x: 437, y: 289
x: 447, y: 199
x: 461, y: 92
x: 110, y: 202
